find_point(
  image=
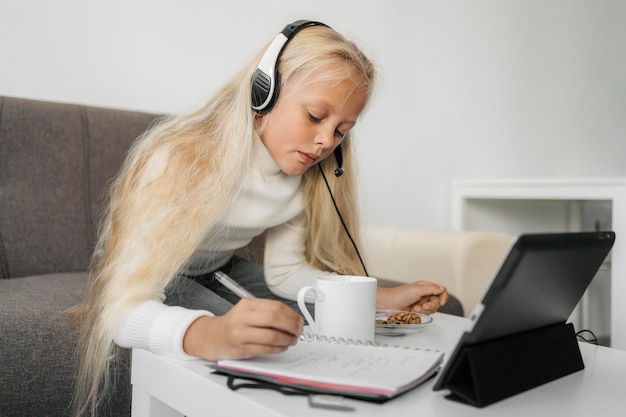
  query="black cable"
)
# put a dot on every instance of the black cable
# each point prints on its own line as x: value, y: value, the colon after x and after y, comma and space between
x: 343, y: 223
x: 593, y: 339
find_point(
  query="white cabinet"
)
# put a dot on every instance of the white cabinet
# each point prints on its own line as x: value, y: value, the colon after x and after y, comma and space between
x: 553, y: 205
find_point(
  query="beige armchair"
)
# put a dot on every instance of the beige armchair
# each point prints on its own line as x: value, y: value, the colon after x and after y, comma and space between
x: 463, y: 261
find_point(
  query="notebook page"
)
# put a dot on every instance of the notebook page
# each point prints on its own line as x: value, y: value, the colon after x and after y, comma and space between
x: 381, y: 367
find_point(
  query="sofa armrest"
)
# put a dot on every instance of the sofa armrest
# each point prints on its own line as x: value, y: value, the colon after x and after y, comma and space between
x: 463, y: 261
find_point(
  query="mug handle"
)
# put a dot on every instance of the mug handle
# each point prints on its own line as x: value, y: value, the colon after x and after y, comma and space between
x: 301, y: 294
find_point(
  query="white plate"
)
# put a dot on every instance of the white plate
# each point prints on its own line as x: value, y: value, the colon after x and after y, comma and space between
x: 399, y: 329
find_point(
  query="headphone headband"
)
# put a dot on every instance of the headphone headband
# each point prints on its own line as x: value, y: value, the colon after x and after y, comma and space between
x: 266, y: 79
x: 291, y: 29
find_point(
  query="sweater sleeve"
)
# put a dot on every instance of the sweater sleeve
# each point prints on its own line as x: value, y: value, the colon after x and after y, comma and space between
x: 284, y: 264
x: 156, y: 327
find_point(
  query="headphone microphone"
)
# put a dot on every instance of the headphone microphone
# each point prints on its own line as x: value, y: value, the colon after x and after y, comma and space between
x: 339, y: 157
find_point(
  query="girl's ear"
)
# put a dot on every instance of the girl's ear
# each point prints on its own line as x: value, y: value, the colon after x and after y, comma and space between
x: 259, y: 121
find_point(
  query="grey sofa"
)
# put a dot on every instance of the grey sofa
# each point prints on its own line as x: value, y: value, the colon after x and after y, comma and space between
x: 55, y: 163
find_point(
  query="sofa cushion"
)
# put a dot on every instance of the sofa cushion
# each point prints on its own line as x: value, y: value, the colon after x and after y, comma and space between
x: 55, y: 162
x: 37, y: 347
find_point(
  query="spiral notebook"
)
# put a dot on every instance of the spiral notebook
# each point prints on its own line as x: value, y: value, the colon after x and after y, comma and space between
x: 352, y: 368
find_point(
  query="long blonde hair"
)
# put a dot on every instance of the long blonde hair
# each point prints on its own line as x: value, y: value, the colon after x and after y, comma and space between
x: 174, y: 186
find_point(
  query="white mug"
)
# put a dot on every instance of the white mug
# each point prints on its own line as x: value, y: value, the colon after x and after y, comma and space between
x: 345, y: 306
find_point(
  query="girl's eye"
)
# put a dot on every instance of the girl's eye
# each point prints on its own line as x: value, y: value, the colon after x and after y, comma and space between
x: 338, y: 134
x: 314, y: 118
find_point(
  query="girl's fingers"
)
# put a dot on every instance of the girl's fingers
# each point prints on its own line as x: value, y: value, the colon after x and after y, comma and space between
x: 269, y: 314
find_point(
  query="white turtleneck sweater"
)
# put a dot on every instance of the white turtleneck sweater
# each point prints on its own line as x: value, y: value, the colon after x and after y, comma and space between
x: 269, y: 200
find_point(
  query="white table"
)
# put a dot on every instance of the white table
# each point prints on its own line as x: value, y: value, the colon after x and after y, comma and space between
x: 167, y: 387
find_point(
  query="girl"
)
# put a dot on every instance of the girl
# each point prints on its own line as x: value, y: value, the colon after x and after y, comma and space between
x: 198, y: 186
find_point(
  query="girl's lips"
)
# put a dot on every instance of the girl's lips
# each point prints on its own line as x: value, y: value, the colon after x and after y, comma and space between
x: 308, y: 158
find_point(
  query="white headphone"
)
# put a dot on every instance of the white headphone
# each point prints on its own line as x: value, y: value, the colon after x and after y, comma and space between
x: 266, y: 79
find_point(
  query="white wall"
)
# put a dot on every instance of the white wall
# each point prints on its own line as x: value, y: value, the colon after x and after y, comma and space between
x: 469, y: 89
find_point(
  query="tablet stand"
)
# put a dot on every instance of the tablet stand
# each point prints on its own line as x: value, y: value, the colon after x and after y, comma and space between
x: 491, y: 371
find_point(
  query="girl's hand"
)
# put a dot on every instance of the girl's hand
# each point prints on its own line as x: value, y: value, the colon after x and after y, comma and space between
x: 419, y: 296
x: 252, y: 327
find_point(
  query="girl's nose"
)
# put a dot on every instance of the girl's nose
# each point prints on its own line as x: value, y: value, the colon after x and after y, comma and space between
x: 325, y: 138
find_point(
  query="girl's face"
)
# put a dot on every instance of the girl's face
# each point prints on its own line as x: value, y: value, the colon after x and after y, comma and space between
x: 306, y: 125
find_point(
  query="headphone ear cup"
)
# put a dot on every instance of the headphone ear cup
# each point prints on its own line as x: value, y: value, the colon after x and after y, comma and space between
x: 261, y: 85
x: 262, y: 90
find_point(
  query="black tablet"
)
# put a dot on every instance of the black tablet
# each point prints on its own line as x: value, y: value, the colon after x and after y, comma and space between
x: 528, y: 302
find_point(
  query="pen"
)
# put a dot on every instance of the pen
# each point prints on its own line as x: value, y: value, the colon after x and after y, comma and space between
x: 232, y: 285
